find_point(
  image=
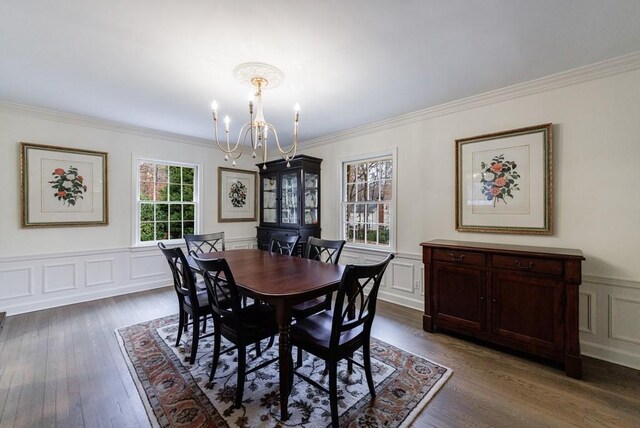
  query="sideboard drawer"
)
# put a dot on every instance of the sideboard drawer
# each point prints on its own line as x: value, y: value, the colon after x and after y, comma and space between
x: 467, y: 258
x: 528, y: 264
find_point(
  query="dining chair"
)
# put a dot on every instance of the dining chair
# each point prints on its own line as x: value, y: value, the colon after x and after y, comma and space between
x: 327, y: 251
x: 191, y: 301
x: 240, y: 325
x: 336, y: 334
x: 205, y: 243
x: 283, y: 243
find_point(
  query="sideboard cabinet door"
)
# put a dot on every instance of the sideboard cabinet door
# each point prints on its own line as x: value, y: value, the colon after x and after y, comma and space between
x: 459, y: 297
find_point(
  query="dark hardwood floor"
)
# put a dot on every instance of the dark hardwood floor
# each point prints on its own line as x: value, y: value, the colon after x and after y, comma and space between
x: 63, y: 367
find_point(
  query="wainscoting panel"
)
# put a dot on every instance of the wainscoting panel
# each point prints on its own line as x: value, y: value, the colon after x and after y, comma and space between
x: 99, y: 272
x: 610, y: 320
x: 59, y: 277
x: 16, y: 283
x: 44, y: 281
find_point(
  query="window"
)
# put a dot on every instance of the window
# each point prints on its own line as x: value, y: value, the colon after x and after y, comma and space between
x: 167, y: 200
x: 368, y: 192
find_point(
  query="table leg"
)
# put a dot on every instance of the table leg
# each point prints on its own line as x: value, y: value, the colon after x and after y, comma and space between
x: 284, y: 323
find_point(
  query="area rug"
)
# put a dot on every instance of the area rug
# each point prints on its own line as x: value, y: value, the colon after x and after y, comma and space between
x: 175, y: 393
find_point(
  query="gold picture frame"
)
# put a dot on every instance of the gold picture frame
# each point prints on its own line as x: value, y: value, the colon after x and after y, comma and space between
x: 504, y: 182
x: 63, y: 186
x: 237, y: 195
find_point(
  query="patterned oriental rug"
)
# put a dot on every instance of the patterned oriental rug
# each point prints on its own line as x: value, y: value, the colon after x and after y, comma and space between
x: 175, y: 395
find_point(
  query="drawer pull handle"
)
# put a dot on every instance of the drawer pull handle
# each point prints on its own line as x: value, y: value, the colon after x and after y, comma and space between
x: 523, y: 267
x: 457, y: 258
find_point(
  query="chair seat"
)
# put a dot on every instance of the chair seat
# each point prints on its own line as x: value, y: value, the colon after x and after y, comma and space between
x: 314, y: 332
x: 309, y: 307
x: 259, y: 321
x: 203, y: 300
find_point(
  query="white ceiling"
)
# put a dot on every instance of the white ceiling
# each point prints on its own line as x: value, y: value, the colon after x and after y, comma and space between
x: 158, y: 64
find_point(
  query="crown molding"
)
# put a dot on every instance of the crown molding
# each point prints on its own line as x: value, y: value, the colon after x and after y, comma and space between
x: 96, y: 123
x: 563, y: 79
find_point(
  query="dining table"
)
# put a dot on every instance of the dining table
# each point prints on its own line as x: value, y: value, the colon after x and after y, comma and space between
x: 283, y: 282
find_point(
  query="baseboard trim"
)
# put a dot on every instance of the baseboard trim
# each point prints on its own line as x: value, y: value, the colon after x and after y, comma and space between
x: 86, y: 297
x: 612, y: 355
x: 401, y: 300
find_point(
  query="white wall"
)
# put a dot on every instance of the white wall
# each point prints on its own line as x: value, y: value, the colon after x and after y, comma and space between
x: 44, y: 267
x: 596, y: 186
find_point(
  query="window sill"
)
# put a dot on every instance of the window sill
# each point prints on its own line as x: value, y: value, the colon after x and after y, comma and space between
x: 368, y: 250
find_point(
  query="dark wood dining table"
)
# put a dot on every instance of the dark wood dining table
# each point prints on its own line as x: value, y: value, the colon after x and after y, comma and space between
x: 282, y: 281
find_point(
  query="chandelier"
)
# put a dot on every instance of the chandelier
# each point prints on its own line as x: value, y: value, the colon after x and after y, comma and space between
x: 255, y: 133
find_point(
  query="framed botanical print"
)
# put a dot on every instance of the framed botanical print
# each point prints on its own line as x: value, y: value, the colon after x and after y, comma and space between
x: 237, y: 196
x: 62, y: 186
x: 504, y: 182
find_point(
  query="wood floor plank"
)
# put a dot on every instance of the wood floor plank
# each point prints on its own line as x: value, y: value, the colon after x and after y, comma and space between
x: 63, y: 367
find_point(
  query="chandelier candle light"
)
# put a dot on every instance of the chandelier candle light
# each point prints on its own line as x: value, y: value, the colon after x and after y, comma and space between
x: 258, y: 76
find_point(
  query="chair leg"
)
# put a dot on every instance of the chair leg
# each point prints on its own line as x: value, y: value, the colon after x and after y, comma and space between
x: 180, y: 326
x: 242, y: 367
x: 333, y: 391
x: 299, y: 359
x: 204, y: 324
x: 195, y: 338
x: 366, y: 355
x: 216, y: 352
x: 258, y: 350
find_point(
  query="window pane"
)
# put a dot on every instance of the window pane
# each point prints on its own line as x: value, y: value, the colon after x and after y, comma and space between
x: 372, y: 233
x: 146, y: 232
x: 384, y: 235
x: 374, y: 191
x: 361, y: 172
x: 175, y: 231
x: 189, y: 227
x: 361, y: 192
x: 374, y: 171
x: 146, y: 171
x: 146, y: 212
x: 146, y: 190
x: 351, y: 193
x: 162, y: 173
x: 161, y: 231
x: 387, y: 169
x: 359, y: 213
x: 386, y: 216
x: 386, y: 193
x: 349, y: 216
x: 187, y: 193
x: 175, y: 193
x: 351, y: 173
x: 162, y: 212
x: 359, y: 234
x: 188, y: 211
x: 162, y: 191
x: 372, y: 213
x: 175, y: 212
x: 187, y: 175
x: 349, y: 235
x: 174, y: 174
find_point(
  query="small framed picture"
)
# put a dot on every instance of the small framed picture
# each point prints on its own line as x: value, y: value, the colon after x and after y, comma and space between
x: 62, y: 186
x: 237, y: 196
x: 504, y: 182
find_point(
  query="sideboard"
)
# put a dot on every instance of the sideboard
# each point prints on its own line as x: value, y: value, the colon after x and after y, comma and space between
x: 520, y: 297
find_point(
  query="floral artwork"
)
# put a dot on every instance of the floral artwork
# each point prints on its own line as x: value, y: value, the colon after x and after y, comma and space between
x: 238, y: 194
x: 68, y: 185
x: 499, y: 179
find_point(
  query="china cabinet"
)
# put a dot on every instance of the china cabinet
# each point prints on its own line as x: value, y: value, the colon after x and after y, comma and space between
x: 524, y: 298
x: 289, y: 199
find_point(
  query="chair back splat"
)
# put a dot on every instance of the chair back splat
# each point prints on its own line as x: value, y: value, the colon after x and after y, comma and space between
x: 283, y: 243
x: 181, y: 272
x: 205, y: 243
x: 324, y: 250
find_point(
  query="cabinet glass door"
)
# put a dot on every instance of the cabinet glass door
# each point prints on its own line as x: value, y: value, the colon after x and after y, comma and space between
x: 311, y: 198
x: 289, y: 198
x: 269, y: 198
